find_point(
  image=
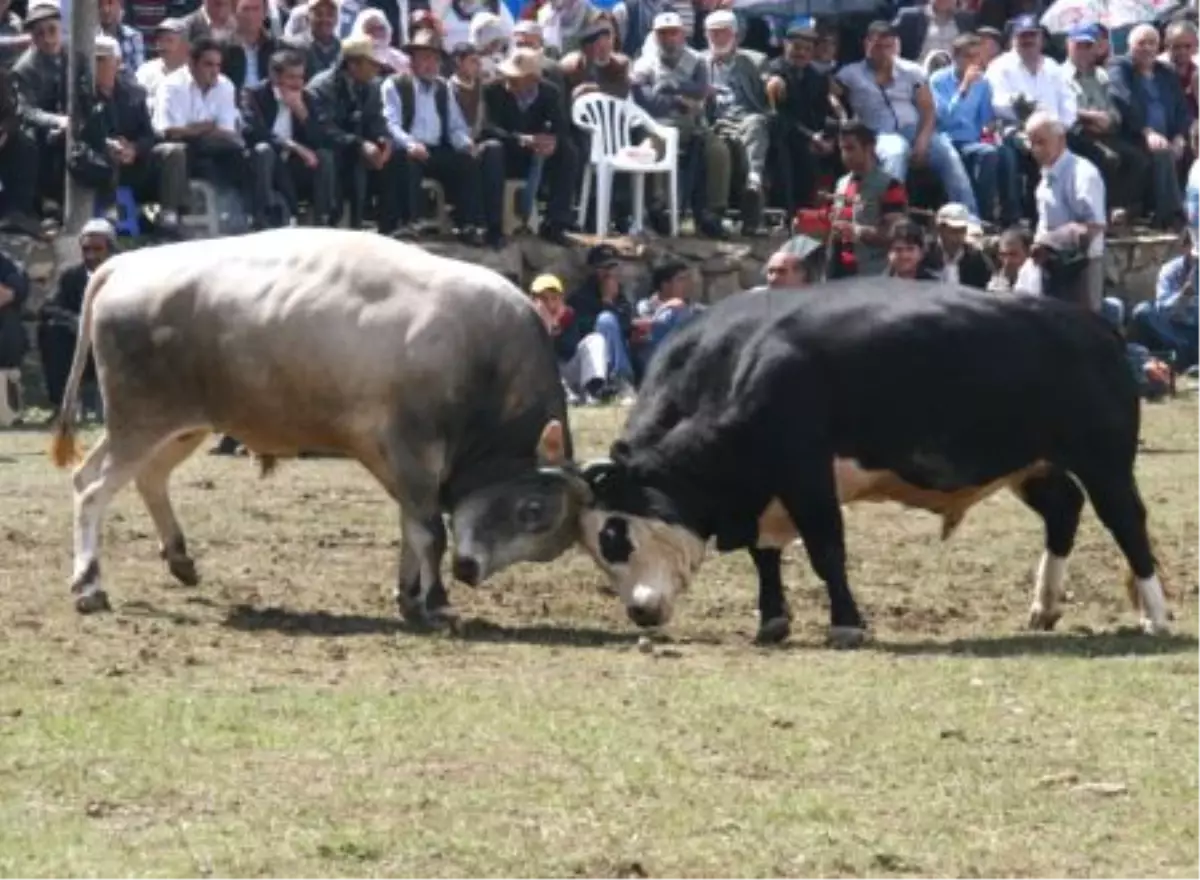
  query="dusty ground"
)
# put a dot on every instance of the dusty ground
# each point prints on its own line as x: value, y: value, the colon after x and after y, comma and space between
x: 276, y: 719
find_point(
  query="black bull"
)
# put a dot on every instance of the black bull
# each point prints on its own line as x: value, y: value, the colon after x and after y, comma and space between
x: 760, y: 418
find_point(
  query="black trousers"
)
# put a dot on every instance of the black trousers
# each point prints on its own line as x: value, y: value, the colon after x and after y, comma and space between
x: 558, y: 174
x: 459, y: 174
x: 287, y: 178
x: 1124, y: 166
x: 19, y: 174
x: 51, y: 165
x: 359, y: 186
x: 797, y: 167
x: 56, y: 348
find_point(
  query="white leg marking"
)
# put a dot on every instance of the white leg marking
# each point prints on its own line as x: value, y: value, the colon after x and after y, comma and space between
x: 421, y: 541
x: 1154, y: 603
x: 1047, y: 591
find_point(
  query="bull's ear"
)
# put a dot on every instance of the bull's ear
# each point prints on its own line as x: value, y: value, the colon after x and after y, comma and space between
x: 601, y: 476
x: 552, y: 448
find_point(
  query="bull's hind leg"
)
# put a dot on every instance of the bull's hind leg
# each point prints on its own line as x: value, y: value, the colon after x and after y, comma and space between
x: 1114, y: 495
x: 1059, y: 501
x: 151, y: 483
x: 108, y: 467
x: 774, y: 617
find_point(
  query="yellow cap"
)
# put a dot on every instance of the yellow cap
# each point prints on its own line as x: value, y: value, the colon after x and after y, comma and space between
x: 546, y: 284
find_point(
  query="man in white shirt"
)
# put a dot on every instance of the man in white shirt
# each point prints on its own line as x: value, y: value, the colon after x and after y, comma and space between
x: 172, y: 48
x: 197, y: 106
x: 1024, y: 76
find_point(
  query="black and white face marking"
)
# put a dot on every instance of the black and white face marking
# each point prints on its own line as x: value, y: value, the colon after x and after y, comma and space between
x: 614, y: 542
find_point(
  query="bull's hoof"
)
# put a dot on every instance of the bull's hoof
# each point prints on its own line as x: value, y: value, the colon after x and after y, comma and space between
x: 183, y: 569
x: 92, y: 601
x: 426, y: 619
x: 1150, y: 628
x: 773, y: 631
x: 1043, y: 619
x: 846, y: 637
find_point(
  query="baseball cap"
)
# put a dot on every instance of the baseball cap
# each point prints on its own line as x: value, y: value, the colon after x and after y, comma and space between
x: 171, y: 26
x: 1025, y: 23
x: 546, y: 284
x: 666, y: 20
x: 1084, y: 33
x: 603, y: 256
x: 955, y: 215
x: 720, y: 18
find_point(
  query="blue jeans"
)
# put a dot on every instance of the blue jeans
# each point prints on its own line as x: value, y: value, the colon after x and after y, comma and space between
x: 994, y: 172
x: 619, y: 364
x: 533, y: 181
x: 1112, y: 310
x: 894, y: 151
x: 1161, y: 330
x: 664, y: 322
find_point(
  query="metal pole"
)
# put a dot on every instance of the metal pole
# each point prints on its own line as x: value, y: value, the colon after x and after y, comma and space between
x: 83, y: 19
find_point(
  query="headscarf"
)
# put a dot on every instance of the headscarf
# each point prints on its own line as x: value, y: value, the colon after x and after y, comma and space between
x: 385, y: 52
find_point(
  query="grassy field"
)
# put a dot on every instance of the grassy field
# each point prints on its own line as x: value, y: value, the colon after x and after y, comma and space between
x: 277, y: 720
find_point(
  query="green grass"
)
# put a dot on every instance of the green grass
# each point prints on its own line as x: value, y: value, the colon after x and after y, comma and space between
x: 277, y: 721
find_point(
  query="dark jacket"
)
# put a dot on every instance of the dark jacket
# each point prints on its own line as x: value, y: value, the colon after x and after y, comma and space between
x: 974, y: 270
x: 67, y: 299
x: 504, y: 119
x: 124, y: 113
x: 586, y: 303
x: 233, y: 61
x: 259, y: 109
x: 1129, y: 94
x: 41, y: 88
x: 13, y: 341
x: 806, y: 104
x: 348, y: 113
x: 10, y: 104
x: 912, y: 25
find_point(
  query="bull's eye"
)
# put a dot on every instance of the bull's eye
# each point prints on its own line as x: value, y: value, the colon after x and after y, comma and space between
x: 615, y: 545
x: 530, y: 513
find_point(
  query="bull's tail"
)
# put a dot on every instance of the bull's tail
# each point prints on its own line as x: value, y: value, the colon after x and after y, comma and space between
x: 64, y: 450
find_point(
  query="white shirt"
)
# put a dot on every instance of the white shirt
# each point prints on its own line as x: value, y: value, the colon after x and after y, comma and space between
x: 150, y: 76
x: 1010, y: 77
x: 1027, y: 283
x: 282, y: 128
x: 180, y: 102
x: 1072, y: 191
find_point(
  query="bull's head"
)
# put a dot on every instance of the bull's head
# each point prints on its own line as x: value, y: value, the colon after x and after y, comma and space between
x: 637, y: 537
x: 533, y: 517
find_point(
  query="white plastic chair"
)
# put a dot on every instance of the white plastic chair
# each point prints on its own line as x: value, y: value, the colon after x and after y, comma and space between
x: 611, y: 122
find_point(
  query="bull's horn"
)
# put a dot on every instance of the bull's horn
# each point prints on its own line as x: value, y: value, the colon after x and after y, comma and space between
x: 597, y: 468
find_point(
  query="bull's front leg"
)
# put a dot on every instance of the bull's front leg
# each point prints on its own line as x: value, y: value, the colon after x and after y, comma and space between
x: 774, y: 616
x: 420, y: 593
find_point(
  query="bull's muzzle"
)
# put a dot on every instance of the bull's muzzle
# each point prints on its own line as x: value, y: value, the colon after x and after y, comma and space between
x: 467, y: 570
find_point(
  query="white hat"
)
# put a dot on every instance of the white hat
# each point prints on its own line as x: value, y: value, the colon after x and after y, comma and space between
x: 107, y: 47
x: 954, y: 215
x: 665, y: 20
x: 486, y: 27
x: 720, y: 18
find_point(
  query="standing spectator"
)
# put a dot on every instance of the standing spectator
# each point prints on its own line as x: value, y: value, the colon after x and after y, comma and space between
x: 13, y: 38
x: 923, y: 30
x: 58, y: 319
x: 738, y: 110
x: 172, y: 48
x: 1155, y: 115
x: 14, y: 292
x: 433, y: 140
x: 952, y: 257
x: 290, y: 152
x: 41, y: 81
x: 246, y: 57
x: 601, y: 306
x: 866, y: 202
x: 213, y: 19
x: 129, y: 39
x: 1096, y: 134
x: 668, y: 307
x: 18, y: 164
x: 320, y: 41
x: 906, y: 253
x: 1070, y: 201
x: 1017, y: 272
x: 347, y: 100
x: 963, y: 98
x: 115, y: 144
x: 1181, y: 57
x: 524, y: 113
x: 891, y: 96
x: 799, y: 95
x: 1171, y: 321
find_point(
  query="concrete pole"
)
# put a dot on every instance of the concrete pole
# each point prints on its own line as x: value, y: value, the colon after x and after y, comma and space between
x: 81, y: 23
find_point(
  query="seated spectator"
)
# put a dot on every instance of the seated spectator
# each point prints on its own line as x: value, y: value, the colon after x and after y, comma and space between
x: 490, y: 38
x: 13, y: 37
x: 582, y: 361
x: 668, y: 307
x: 1103, y: 47
x: 923, y: 30
x: 320, y: 41
x: 524, y: 113
x: 991, y: 45
x: 300, y: 25
x: 671, y: 84
x: 738, y: 112
x: 1070, y: 204
x: 594, y: 66
x: 115, y: 144
x: 1170, y: 322
x: 40, y: 75
x: 457, y: 15
x: 963, y: 98
x: 1192, y: 189
x: 891, y: 96
x: 18, y: 164
x: 467, y: 87
x: 825, y: 55
x: 196, y: 106
x: 799, y: 95
x: 1096, y: 134
x: 1154, y: 114
x: 601, y: 306
x: 373, y: 23
x: 564, y: 22
x: 528, y: 35
x: 1180, y: 39
x: 246, y: 57
x: 348, y: 102
x: 58, y: 318
x: 1017, y: 272
x: 797, y: 263
x: 432, y: 140
x: 171, y: 47
x: 633, y: 21
x: 906, y: 254
x: 952, y: 257
x: 291, y: 156
x: 214, y: 19
x: 866, y: 203
x: 14, y: 292
x: 133, y: 50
